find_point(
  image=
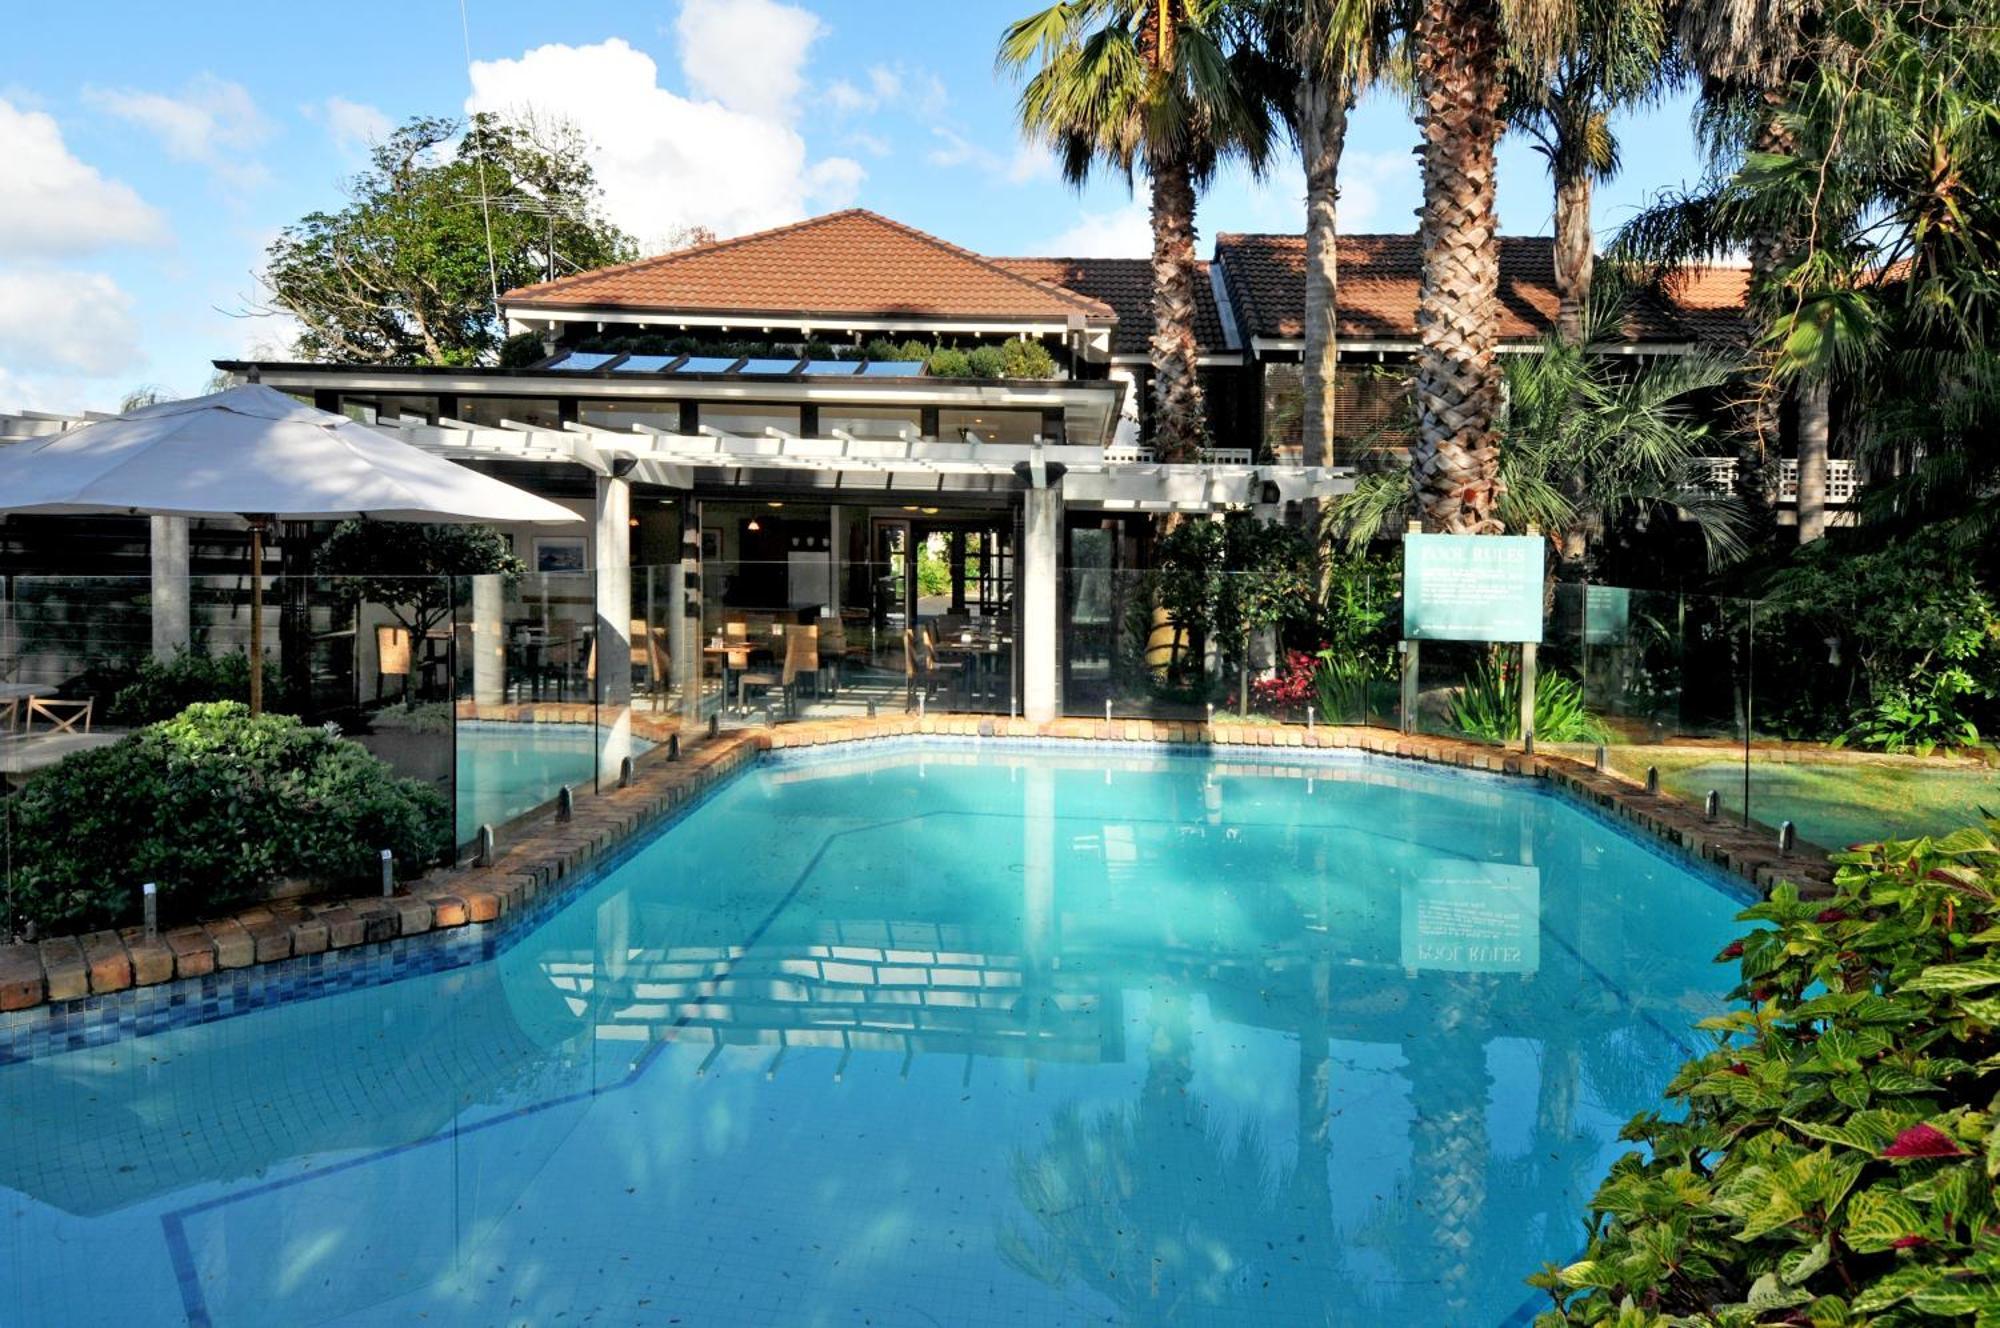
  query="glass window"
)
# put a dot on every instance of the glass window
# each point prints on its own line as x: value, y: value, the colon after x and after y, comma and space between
x: 870, y: 421
x: 488, y: 412
x: 751, y: 419
x: 989, y: 426
x: 1284, y: 411
x: 622, y: 415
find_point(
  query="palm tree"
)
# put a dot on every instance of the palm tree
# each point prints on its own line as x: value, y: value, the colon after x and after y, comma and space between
x: 1587, y: 443
x: 1747, y: 54
x: 1158, y: 86
x: 1617, y: 58
x: 1460, y: 48
x: 1322, y: 55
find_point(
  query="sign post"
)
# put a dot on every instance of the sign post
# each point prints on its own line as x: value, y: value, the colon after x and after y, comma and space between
x: 1472, y: 588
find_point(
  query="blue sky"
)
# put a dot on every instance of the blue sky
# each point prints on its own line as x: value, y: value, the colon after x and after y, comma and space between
x: 157, y: 149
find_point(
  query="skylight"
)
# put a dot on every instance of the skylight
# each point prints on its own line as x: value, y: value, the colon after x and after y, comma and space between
x: 713, y: 364
x: 768, y: 366
x: 893, y: 368
x: 578, y: 361
x: 645, y: 363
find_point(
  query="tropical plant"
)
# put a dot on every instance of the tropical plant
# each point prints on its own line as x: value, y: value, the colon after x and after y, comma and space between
x: 215, y: 807
x: 1159, y: 86
x: 1488, y: 707
x: 1616, y: 57
x: 1832, y: 1161
x: 448, y: 214
x: 1588, y: 442
x: 1906, y: 719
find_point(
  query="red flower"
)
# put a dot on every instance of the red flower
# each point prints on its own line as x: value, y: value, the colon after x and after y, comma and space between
x: 1908, y: 1242
x: 1740, y: 1068
x: 1831, y: 915
x: 1924, y: 1141
x: 1733, y: 950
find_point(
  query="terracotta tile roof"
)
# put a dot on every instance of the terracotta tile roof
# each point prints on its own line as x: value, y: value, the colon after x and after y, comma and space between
x: 1710, y: 300
x: 1378, y: 288
x: 1126, y: 284
x: 853, y: 262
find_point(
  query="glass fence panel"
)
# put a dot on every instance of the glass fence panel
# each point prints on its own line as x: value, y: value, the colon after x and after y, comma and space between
x: 847, y: 645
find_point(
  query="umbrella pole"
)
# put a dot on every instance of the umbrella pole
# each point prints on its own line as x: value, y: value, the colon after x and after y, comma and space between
x: 256, y: 616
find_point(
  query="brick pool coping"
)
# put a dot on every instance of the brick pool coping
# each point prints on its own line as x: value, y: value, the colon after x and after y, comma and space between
x: 552, y: 855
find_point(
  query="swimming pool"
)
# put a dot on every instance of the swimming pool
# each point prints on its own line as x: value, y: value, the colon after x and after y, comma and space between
x: 922, y: 1035
x: 506, y: 769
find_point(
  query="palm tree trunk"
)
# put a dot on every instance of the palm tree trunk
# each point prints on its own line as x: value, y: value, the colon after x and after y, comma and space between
x: 1180, y: 426
x: 1575, y: 251
x: 1457, y: 456
x: 1322, y: 108
x: 1814, y: 409
x: 1769, y: 252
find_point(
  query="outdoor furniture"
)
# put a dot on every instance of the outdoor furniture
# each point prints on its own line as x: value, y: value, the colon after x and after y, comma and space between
x: 832, y: 652
x: 63, y: 715
x: 920, y: 668
x: 799, y: 648
x: 14, y: 696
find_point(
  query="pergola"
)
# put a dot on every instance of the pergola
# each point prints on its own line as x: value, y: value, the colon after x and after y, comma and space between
x: 1046, y: 478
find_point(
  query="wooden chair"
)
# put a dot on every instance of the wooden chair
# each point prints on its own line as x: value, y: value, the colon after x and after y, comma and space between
x: 832, y: 652
x: 920, y: 667
x: 799, y: 648
x: 63, y: 716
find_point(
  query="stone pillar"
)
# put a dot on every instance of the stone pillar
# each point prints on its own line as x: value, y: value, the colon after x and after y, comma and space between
x: 613, y: 646
x: 1040, y: 596
x: 171, y: 625
x: 489, y: 640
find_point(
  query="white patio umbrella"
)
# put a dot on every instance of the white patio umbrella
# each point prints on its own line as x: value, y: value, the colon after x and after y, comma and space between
x: 255, y: 453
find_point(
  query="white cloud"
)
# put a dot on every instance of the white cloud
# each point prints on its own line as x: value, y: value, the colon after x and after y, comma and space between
x: 1124, y: 232
x: 354, y: 126
x: 861, y: 141
x: 213, y: 123
x: 666, y: 160
x: 748, y: 55
x: 1029, y: 161
x: 52, y: 205
x: 74, y: 322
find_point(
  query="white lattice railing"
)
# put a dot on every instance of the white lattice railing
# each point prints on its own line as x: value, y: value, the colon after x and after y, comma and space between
x: 1843, y: 482
x: 1131, y: 455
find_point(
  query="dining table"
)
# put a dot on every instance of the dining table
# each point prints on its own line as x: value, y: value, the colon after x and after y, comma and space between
x: 979, y: 653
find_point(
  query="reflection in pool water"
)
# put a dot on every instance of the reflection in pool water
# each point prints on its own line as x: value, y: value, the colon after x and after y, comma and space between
x: 921, y: 1037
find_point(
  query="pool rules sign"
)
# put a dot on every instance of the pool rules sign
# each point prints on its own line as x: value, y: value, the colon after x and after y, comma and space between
x: 1472, y: 588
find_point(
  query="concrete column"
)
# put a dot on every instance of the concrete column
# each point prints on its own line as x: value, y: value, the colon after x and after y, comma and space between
x: 489, y: 640
x: 1040, y: 596
x: 613, y: 578
x: 684, y: 605
x: 171, y: 625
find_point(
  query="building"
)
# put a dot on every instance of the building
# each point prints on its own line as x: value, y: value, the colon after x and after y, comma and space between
x: 794, y: 417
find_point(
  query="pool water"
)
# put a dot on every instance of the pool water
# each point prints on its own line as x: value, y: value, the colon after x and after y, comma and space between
x: 922, y: 1036
x: 507, y: 769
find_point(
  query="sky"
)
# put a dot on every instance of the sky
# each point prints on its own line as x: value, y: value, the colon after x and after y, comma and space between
x: 153, y: 151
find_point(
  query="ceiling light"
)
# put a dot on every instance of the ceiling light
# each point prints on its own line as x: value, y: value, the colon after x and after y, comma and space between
x: 930, y: 511
x: 753, y: 524
x: 774, y: 504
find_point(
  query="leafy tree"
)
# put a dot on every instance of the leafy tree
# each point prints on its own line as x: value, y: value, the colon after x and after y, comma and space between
x: 409, y: 568
x: 447, y: 215
x: 1157, y: 85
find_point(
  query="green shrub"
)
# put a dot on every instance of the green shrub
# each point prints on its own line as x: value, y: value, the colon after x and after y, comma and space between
x: 521, y: 350
x: 987, y: 361
x: 215, y: 807
x: 1022, y: 358
x: 160, y: 690
x: 1918, y: 720
x: 1836, y: 1160
x: 1488, y: 707
x: 948, y: 364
